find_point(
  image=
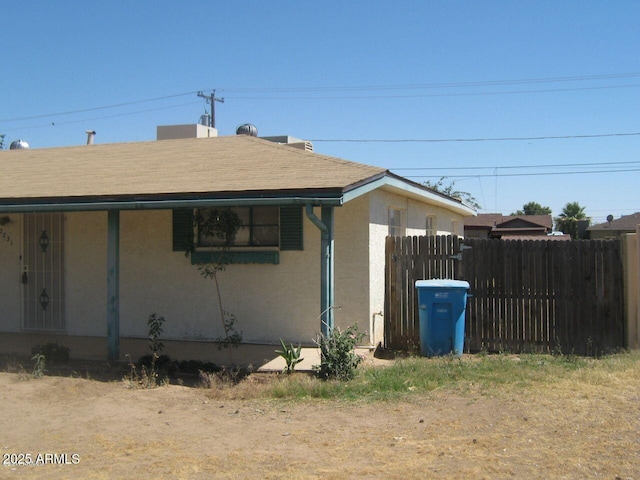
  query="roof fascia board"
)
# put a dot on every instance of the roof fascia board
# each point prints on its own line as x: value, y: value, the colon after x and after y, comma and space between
x: 409, y: 188
x: 521, y: 221
x: 167, y: 204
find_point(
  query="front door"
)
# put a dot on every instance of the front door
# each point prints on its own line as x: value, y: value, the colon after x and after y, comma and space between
x: 43, y: 271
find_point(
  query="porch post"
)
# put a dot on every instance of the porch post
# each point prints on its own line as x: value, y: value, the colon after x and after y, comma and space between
x: 327, y: 284
x: 326, y: 276
x: 113, y: 284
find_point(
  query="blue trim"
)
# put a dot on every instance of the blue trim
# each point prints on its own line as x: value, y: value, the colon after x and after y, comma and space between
x: 269, y: 257
x: 65, y: 205
x: 113, y: 284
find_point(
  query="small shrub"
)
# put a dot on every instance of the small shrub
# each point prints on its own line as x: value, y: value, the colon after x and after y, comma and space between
x: 152, y: 370
x: 148, y: 376
x: 337, y: 356
x: 291, y: 356
x: 14, y: 366
x: 222, y: 378
x: 154, y: 324
x: 53, y: 352
x: 163, y: 364
x: 39, y: 365
x: 150, y: 365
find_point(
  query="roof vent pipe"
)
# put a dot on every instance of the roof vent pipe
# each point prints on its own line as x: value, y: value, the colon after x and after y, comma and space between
x: 90, y: 136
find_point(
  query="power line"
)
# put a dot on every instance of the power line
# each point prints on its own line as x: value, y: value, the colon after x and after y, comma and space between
x: 91, y: 109
x: 433, y: 85
x: 527, y: 174
x: 425, y: 95
x: 556, y: 165
x: 488, y: 139
x: 68, y: 122
x: 356, y: 88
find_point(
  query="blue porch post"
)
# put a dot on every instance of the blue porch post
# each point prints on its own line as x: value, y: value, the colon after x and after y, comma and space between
x: 113, y: 284
x: 327, y: 284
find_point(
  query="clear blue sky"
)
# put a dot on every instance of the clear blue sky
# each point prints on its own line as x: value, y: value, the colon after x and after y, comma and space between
x: 352, y: 70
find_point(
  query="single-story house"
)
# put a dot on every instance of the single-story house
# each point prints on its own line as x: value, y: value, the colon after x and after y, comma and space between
x: 615, y: 227
x: 508, y: 227
x: 94, y: 240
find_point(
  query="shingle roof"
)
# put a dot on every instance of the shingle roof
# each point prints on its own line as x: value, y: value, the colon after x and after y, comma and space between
x: 624, y: 223
x: 490, y: 220
x: 169, y: 167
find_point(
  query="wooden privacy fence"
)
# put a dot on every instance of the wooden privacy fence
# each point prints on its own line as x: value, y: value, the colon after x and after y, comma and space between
x: 409, y: 259
x: 540, y: 296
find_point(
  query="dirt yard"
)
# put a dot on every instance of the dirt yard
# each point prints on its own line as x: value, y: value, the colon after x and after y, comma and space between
x: 94, y: 429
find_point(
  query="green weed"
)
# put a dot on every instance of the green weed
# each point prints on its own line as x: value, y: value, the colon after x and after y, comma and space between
x: 291, y: 356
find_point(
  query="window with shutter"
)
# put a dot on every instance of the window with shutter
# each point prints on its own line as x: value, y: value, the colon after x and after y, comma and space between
x: 262, y: 226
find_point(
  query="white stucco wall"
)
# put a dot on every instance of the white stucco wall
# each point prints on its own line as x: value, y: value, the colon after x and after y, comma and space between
x: 352, y: 265
x: 414, y: 214
x: 10, y: 286
x: 268, y: 301
x: 86, y: 273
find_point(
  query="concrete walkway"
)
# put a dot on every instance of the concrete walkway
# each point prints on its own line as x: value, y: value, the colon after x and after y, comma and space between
x: 311, y: 357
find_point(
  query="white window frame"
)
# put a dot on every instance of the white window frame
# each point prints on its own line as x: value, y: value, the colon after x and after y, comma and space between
x: 431, y: 225
x: 396, y: 222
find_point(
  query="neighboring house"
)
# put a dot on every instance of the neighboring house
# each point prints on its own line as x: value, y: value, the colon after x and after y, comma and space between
x: 509, y: 227
x: 94, y: 241
x: 616, y: 227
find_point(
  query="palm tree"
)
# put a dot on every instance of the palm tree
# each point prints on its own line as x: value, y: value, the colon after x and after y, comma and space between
x: 567, y: 221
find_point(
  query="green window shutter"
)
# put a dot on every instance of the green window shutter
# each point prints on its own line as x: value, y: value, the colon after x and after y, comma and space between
x: 182, y: 229
x: 291, y: 228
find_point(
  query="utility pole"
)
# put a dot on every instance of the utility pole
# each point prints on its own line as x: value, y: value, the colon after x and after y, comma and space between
x: 211, y: 100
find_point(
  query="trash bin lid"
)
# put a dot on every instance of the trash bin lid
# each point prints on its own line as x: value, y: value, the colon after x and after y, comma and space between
x: 442, y: 283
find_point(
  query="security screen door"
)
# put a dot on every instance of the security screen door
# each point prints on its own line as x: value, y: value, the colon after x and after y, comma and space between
x: 43, y: 271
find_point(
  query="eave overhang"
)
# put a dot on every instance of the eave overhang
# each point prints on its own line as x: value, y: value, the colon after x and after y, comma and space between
x: 389, y: 181
x: 328, y: 198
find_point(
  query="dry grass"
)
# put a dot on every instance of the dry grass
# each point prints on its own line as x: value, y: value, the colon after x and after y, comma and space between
x: 516, y: 419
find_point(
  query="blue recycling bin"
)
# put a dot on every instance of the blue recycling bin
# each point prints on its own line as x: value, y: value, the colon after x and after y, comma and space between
x: 442, y: 305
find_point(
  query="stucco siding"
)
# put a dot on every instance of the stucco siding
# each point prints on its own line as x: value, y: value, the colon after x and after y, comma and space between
x: 377, y: 234
x: 86, y: 273
x: 352, y: 265
x: 267, y: 301
x: 414, y: 215
x: 10, y: 286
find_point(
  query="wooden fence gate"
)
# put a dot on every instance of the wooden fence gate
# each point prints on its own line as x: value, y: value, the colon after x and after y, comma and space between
x: 539, y: 296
